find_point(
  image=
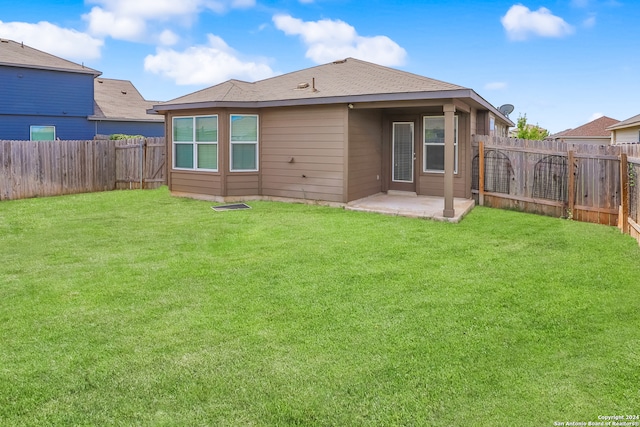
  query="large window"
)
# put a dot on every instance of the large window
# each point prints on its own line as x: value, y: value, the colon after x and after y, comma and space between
x: 195, y: 143
x: 42, y: 133
x: 244, y: 143
x: 434, y: 144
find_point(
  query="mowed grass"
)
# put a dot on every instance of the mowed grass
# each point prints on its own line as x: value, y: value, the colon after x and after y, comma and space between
x: 138, y: 308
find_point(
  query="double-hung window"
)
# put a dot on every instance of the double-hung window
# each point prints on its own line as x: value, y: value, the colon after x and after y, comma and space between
x: 195, y: 143
x: 434, y: 144
x: 244, y: 143
x: 42, y: 133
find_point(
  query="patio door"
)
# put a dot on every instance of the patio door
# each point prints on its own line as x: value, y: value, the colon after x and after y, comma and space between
x: 402, y: 157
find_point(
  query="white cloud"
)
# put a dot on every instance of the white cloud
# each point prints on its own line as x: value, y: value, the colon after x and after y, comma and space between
x: 595, y: 116
x: 329, y: 40
x: 129, y: 19
x: 168, y: 38
x: 495, y: 86
x: 64, y: 42
x: 103, y: 23
x: 522, y: 23
x: 205, y: 65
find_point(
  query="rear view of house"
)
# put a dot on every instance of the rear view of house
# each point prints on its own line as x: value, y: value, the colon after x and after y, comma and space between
x: 333, y: 133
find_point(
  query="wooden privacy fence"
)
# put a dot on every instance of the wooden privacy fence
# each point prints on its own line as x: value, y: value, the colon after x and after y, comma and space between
x: 140, y: 163
x: 585, y: 182
x: 52, y: 168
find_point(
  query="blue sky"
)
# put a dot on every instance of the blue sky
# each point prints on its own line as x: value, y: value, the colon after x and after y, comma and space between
x: 562, y: 63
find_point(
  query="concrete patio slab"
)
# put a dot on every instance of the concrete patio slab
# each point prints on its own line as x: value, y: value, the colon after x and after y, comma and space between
x: 410, y: 205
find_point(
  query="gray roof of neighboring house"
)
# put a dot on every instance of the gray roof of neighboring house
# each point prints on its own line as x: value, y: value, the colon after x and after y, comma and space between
x: 595, y: 128
x: 632, y: 121
x: 15, y: 54
x: 349, y: 80
x: 119, y: 100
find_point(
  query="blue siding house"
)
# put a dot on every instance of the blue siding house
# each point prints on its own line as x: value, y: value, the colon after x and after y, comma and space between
x: 44, y: 97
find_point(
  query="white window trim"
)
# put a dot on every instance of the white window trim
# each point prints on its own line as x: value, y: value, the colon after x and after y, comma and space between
x: 425, y: 144
x: 41, y: 126
x: 195, y: 144
x: 256, y: 142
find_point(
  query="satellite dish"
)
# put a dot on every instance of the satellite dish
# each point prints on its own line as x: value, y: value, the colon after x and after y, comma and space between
x: 506, y: 109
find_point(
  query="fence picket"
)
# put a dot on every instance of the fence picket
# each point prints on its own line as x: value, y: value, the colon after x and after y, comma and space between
x: 50, y: 168
x: 596, y: 195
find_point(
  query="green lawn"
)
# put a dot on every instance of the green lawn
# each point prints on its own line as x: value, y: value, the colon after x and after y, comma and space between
x: 137, y: 308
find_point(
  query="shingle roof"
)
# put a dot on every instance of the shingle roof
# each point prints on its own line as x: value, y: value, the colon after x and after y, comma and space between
x: 349, y: 77
x: 20, y: 55
x: 632, y: 121
x: 348, y: 80
x: 597, y: 127
x: 120, y: 100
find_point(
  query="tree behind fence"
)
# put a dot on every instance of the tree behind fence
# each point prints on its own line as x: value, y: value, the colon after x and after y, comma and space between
x: 52, y: 168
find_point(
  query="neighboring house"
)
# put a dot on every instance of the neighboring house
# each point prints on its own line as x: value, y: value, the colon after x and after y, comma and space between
x: 334, y: 133
x: 119, y: 108
x: 44, y: 97
x: 626, y: 131
x: 594, y: 132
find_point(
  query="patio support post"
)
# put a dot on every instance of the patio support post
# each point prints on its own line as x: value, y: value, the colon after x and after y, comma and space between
x: 449, y: 159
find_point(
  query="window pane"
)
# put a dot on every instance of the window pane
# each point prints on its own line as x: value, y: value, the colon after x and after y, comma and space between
x: 184, y: 156
x: 243, y: 157
x: 43, y: 133
x: 435, y: 157
x: 207, y: 156
x: 244, y: 128
x: 207, y: 129
x: 434, y: 130
x: 183, y: 129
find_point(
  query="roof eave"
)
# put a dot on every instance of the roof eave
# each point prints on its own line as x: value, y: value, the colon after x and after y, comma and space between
x: 626, y: 125
x: 123, y: 119
x: 95, y: 73
x: 404, y: 96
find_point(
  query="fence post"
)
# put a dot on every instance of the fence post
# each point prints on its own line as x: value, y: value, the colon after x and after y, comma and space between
x: 481, y: 173
x: 623, y: 221
x: 141, y: 164
x: 572, y: 184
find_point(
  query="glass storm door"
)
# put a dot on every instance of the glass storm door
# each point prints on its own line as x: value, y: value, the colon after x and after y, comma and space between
x: 403, y: 157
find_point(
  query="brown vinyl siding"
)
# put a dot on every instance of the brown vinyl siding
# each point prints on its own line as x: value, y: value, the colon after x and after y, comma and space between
x: 365, y: 153
x: 243, y: 184
x: 482, y: 123
x: 302, y: 152
x: 196, y: 182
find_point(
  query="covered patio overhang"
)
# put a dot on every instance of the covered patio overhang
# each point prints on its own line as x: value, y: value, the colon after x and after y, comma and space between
x: 448, y: 107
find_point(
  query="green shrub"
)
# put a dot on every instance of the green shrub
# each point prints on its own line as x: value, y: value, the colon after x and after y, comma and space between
x: 117, y: 136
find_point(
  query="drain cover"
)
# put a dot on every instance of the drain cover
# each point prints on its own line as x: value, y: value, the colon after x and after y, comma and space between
x: 234, y: 207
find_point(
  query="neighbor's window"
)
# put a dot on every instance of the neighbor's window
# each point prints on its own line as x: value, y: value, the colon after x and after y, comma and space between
x: 195, y: 143
x: 42, y: 133
x: 244, y: 143
x: 434, y: 144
